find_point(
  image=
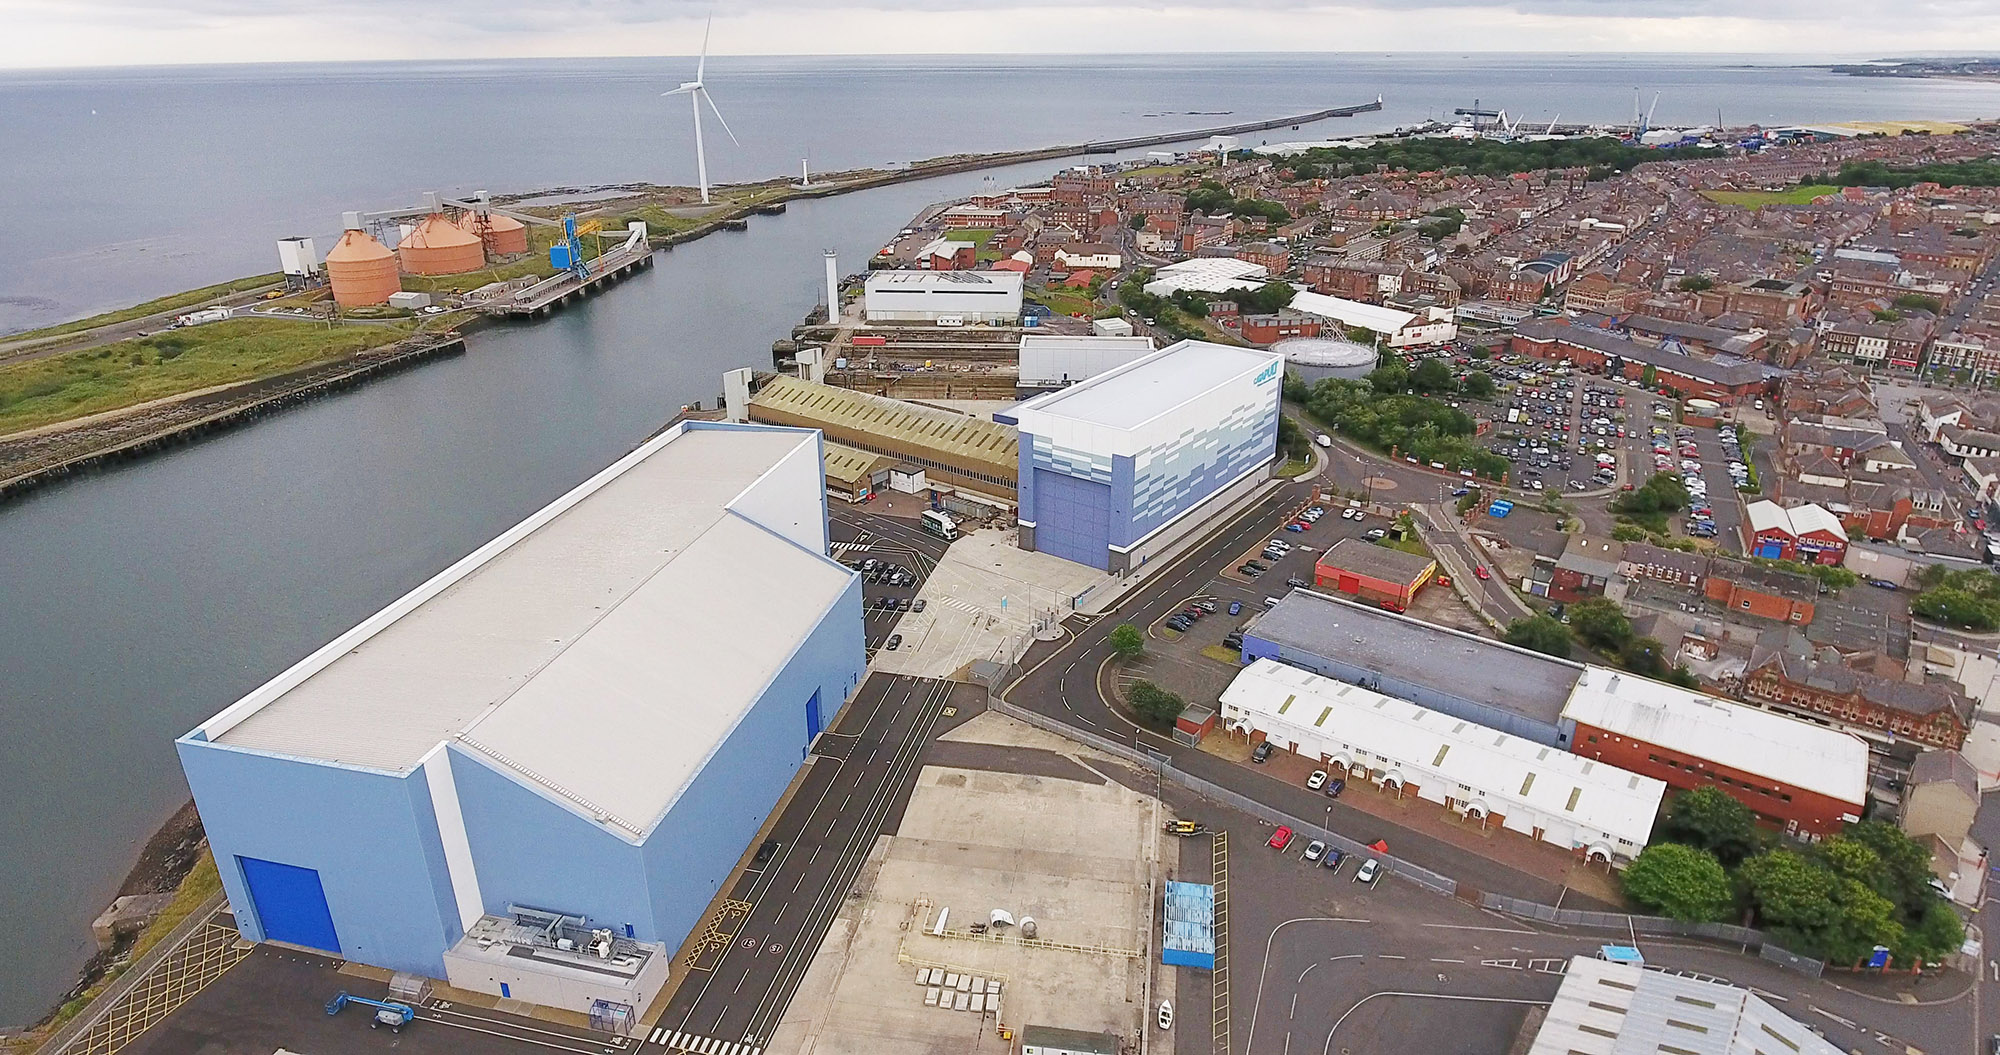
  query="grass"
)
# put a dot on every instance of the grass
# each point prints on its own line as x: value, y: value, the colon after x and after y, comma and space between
x: 1757, y: 199
x: 978, y: 236
x: 1065, y: 302
x: 125, y: 373
x: 173, y: 302
x: 1293, y: 468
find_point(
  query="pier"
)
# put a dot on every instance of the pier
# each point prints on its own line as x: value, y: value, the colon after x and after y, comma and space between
x: 1112, y: 146
x: 551, y: 293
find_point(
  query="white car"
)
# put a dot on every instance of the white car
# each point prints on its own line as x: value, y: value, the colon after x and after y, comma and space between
x: 1317, y: 780
x: 1369, y: 871
x: 1315, y: 850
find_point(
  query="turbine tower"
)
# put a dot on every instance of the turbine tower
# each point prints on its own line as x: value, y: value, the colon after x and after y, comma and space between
x: 698, y: 93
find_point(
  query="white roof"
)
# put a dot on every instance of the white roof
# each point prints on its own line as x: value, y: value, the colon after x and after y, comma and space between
x: 1501, y: 769
x: 945, y: 246
x: 1146, y: 388
x: 1765, y: 515
x: 1815, y: 517
x: 1352, y: 312
x: 600, y: 650
x: 1207, y: 274
x: 1750, y: 740
x: 1052, y: 359
x: 997, y: 282
x: 1606, y: 1008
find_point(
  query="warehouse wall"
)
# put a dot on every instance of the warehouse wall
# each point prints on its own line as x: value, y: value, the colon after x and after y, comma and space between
x: 371, y: 836
x: 1506, y: 721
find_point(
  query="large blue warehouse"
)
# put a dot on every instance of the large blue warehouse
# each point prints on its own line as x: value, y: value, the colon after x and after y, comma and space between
x: 1117, y: 468
x: 530, y: 775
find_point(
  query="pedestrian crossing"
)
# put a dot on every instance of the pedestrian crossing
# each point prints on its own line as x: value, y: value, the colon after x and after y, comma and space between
x: 674, y: 1040
x: 964, y: 606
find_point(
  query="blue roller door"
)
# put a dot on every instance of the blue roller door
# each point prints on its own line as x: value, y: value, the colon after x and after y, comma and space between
x: 291, y: 904
x: 1769, y: 548
x: 1073, y: 518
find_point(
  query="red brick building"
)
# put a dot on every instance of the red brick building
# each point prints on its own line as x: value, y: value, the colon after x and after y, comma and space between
x: 1767, y: 593
x: 1270, y: 329
x: 1374, y: 574
x: 1876, y: 708
x: 1795, y: 775
x: 1598, y: 351
x: 1808, y: 533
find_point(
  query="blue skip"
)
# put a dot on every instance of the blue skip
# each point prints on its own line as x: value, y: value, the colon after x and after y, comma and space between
x: 387, y: 1012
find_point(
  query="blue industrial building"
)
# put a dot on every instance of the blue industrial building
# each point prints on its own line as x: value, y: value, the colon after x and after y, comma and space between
x: 531, y: 774
x: 1118, y: 467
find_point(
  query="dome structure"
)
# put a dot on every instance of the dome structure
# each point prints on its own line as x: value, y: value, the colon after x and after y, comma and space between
x: 502, y: 235
x: 362, y: 271
x: 440, y: 247
x: 1324, y: 351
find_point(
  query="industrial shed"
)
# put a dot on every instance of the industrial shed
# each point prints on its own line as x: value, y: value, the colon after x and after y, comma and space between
x: 990, y: 297
x: 1502, y: 781
x: 1051, y: 361
x: 956, y: 449
x: 570, y: 735
x: 855, y: 475
x: 1375, y: 574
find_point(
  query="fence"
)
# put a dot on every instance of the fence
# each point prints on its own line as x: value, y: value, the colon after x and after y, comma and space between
x: 1620, y: 923
x: 1808, y: 967
x: 1163, y: 765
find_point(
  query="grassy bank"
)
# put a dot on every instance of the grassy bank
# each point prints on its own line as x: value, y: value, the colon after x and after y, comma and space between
x: 1757, y: 199
x: 125, y: 373
x: 174, y: 302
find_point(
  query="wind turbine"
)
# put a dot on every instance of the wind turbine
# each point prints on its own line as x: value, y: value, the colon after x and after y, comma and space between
x: 698, y: 93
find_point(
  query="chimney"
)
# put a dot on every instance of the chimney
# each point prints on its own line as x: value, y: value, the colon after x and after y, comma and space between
x: 832, y: 290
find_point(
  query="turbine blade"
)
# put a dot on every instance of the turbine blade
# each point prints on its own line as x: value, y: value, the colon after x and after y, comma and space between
x: 702, y: 64
x: 719, y: 117
x: 676, y: 91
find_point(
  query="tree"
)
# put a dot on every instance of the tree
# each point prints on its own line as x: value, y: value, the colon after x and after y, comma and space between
x: 1137, y: 222
x: 1696, y: 284
x: 1905, y: 875
x: 1127, y: 641
x: 1600, y: 624
x: 1935, y: 934
x: 1155, y: 705
x: 1790, y: 894
x: 1432, y: 375
x: 1644, y: 656
x: 1540, y: 633
x: 1681, y: 881
x: 1707, y: 818
x: 1478, y: 384
x: 1390, y: 379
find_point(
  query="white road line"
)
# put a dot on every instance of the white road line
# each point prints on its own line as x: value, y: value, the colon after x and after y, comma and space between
x: 1438, y: 959
x: 1387, y: 956
x: 1467, y: 926
x: 658, y: 1032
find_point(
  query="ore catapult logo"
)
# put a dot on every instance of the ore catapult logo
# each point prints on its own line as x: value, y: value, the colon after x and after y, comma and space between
x: 1267, y: 375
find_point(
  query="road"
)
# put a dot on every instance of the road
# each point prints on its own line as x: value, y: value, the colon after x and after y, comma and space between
x: 862, y: 772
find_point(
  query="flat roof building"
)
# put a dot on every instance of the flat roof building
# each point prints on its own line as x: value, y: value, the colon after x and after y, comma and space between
x: 1207, y: 274
x: 1605, y: 1008
x: 957, y: 449
x: 1050, y: 361
x: 1805, y: 777
x: 1542, y: 791
x: 1478, y: 679
x: 1119, y: 466
x: 990, y: 297
x: 1397, y: 328
x: 1380, y: 575
x: 590, y: 715
x: 855, y: 475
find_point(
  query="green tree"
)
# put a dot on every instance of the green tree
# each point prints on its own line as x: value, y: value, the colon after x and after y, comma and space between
x: 1433, y: 376
x: 1155, y: 705
x: 1127, y: 641
x: 1540, y: 633
x: 1137, y: 222
x: 1696, y: 284
x: 1600, y: 624
x: 1905, y: 876
x: 1935, y: 934
x: 1478, y: 384
x: 1707, y: 818
x: 1791, y: 894
x: 1681, y: 881
x: 1644, y: 656
x: 1389, y: 379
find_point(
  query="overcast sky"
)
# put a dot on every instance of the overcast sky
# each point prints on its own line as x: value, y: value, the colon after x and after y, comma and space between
x: 41, y: 33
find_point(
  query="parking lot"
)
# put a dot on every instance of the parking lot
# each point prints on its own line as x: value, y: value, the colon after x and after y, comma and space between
x: 1561, y: 422
x: 894, y: 558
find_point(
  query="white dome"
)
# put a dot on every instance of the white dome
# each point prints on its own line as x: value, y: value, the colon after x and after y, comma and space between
x: 1324, y: 351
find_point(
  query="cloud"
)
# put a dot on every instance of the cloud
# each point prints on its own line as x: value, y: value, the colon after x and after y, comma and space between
x: 114, y: 32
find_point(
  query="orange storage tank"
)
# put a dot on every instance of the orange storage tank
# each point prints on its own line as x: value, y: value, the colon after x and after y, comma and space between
x: 503, y: 235
x: 362, y: 271
x: 440, y: 247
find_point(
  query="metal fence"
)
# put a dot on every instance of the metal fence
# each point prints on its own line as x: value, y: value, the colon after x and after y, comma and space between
x: 1621, y: 923
x: 1207, y: 789
x: 1811, y: 968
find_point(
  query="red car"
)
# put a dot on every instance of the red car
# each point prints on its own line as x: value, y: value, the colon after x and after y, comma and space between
x: 1482, y: 572
x: 1280, y: 838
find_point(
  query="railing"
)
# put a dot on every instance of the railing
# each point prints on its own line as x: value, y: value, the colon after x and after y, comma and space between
x: 1633, y: 926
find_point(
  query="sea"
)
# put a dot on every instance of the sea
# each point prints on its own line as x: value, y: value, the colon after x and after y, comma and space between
x: 135, y: 602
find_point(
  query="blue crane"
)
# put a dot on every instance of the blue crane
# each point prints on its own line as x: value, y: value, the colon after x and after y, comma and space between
x: 387, y: 1012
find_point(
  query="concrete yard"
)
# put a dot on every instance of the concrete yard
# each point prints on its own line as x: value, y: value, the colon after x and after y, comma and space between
x: 1077, y: 853
x: 985, y: 594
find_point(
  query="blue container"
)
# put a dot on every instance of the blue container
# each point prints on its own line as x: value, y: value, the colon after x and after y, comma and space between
x: 559, y: 256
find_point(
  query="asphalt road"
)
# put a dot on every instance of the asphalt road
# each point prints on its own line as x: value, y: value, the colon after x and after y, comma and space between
x: 863, y: 770
x: 859, y: 536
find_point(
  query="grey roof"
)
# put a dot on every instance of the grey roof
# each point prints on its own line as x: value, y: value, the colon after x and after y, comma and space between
x: 1438, y: 657
x: 1069, y: 1039
x: 1377, y: 562
x: 1593, y: 557
x: 1714, y: 371
x: 1918, y: 700
x: 1606, y: 1008
x: 1645, y: 554
x: 600, y: 649
x: 1945, y: 766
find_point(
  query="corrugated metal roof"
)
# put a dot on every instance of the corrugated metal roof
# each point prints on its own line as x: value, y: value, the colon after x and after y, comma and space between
x: 1747, y: 739
x: 852, y: 465
x: 1372, y: 317
x: 585, y: 651
x: 1146, y: 388
x: 887, y: 423
x: 1606, y: 1008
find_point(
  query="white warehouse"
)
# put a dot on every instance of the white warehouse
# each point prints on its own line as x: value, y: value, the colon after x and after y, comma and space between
x: 1051, y: 361
x: 992, y: 297
x: 1543, y: 792
x: 1207, y: 274
x: 1398, y: 328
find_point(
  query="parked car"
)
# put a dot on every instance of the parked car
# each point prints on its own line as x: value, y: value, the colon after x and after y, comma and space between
x: 1206, y: 605
x: 1375, y: 534
x: 1369, y: 871
x: 1334, y: 788
x: 895, y: 642
x: 1262, y: 752
x: 1186, y: 828
x: 1233, y: 639
x: 1315, y: 850
x: 1294, y: 527
x: 917, y: 605
x: 1297, y: 583
x: 1882, y: 584
x: 1280, y: 838
x: 1317, y: 780
x: 1235, y: 607
x: 1333, y: 859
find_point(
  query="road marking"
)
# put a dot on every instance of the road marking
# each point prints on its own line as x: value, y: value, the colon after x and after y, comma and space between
x: 1511, y: 965
x: 1386, y: 956
x: 1828, y: 1014
x: 1467, y: 926
x: 1439, y: 959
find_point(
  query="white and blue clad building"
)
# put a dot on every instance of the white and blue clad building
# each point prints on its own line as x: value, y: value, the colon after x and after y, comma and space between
x: 1117, y: 468
x: 531, y: 774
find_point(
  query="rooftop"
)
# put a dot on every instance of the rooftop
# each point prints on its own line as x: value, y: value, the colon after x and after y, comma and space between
x: 1501, y: 770
x: 1440, y: 658
x: 577, y: 623
x: 1151, y: 386
x: 1377, y: 562
x: 1747, y: 739
x: 888, y: 422
x: 1606, y: 1008
x: 1352, y: 312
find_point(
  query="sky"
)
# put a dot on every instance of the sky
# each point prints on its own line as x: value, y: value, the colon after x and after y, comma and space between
x: 59, y: 33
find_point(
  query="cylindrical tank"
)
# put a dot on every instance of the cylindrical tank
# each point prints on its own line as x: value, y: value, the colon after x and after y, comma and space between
x: 362, y: 271
x: 503, y: 235
x: 440, y: 247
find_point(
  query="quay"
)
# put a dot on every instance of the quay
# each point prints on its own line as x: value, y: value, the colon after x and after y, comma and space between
x: 1112, y: 146
x: 551, y: 293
